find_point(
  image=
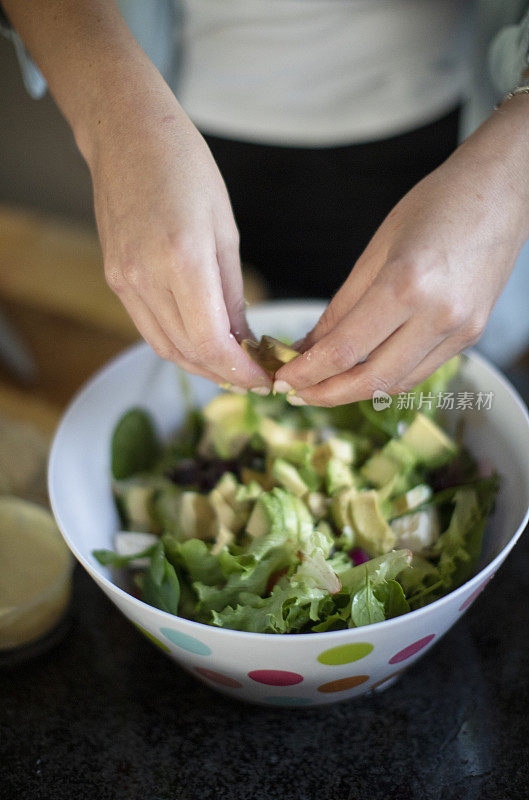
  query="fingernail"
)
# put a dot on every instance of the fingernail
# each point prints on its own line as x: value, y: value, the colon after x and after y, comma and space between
x: 282, y: 387
x: 294, y: 400
x: 262, y: 390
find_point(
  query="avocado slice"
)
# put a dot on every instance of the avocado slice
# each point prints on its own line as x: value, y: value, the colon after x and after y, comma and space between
x: 247, y: 494
x: 285, y: 442
x: 395, y: 458
x: 287, y: 475
x: 228, y: 426
x: 225, y: 513
x: 228, y: 487
x: 223, y: 540
x: 372, y: 531
x: 430, y: 445
x: 233, y: 517
x: 166, y: 505
x: 135, y: 498
x: 260, y: 520
x: 379, y: 469
x: 333, y: 448
x: 269, y: 353
x: 196, y: 516
x: 341, y: 507
x: 317, y: 504
x: 338, y: 476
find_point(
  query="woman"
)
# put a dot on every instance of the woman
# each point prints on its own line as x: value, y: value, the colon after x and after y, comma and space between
x: 305, y: 105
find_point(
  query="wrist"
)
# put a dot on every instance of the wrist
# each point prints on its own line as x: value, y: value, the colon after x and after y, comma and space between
x: 500, y: 148
x: 137, y: 105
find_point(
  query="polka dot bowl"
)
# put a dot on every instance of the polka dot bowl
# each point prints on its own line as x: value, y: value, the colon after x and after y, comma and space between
x: 289, y: 671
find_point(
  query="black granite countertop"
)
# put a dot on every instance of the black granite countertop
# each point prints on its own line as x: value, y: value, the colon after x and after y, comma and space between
x: 107, y: 715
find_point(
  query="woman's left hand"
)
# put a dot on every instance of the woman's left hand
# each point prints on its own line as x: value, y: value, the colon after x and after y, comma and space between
x: 426, y: 283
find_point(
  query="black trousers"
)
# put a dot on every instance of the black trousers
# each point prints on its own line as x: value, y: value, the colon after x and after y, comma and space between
x: 306, y: 214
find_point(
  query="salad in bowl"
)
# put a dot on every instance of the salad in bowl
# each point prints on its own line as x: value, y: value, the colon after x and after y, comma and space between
x: 263, y: 517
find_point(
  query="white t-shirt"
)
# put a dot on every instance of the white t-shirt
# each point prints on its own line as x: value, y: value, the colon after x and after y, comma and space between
x: 321, y: 72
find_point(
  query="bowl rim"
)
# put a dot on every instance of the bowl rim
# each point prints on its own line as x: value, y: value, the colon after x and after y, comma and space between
x: 130, y: 353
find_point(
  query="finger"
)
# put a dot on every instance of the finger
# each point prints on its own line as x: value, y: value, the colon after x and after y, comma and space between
x: 374, y: 318
x: 435, y: 358
x: 153, y: 333
x: 227, y: 240
x: 384, y: 370
x: 209, y: 340
x: 362, y: 276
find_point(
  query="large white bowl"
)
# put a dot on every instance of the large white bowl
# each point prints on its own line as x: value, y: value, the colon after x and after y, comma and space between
x: 289, y: 670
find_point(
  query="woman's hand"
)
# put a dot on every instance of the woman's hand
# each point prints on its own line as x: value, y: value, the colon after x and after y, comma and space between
x: 170, y: 243
x: 425, y: 285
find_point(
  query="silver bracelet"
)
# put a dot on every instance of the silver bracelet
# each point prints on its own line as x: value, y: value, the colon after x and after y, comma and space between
x: 513, y: 93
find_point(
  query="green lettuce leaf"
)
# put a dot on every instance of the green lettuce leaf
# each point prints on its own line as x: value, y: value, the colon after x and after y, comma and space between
x: 391, y: 594
x: 159, y: 584
x: 459, y: 547
x: 254, y: 580
x: 288, y: 609
x: 112, y: 559
x: 387, y: 420
x: 366, y: 608
x: 421, y: 582
x: 194, y: 556
x: 381, y: 568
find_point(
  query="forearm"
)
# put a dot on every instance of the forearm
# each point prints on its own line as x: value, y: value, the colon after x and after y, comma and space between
x: 91, y: 61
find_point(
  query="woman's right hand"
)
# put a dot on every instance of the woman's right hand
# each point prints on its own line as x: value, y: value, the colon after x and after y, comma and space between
x: 169, y: 239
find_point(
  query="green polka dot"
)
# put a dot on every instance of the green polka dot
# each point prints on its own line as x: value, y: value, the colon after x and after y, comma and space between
x: 345, y: 653
x: 153, y: 638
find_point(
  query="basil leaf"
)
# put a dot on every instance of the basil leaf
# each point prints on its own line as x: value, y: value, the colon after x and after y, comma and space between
x: 135, y: 445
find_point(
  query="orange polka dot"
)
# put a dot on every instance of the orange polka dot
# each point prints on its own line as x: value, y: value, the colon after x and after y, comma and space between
x: 342, y: 684
x: 388, y: 678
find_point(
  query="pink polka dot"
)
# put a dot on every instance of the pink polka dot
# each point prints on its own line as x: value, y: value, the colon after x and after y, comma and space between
x: 275, y: 677
x: 411, y: 649
x: 470, y: 599
x: 218, y: 677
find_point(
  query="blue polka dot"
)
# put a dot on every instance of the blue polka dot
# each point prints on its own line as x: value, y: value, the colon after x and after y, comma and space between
x: 288, y: 701
x: 186, y: 642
